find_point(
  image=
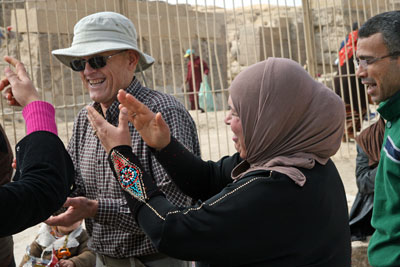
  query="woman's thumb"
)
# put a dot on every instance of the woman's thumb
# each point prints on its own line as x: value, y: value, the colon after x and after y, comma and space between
x: 123, y: 118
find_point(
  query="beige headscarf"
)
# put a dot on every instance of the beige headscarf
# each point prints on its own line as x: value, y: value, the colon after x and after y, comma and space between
x: 289, y: 120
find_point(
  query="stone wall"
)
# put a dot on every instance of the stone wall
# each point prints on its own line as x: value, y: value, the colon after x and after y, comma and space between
x: 229, y: 40
x: 282, y: 29
x: 163, y: 33
x: 171, y: 29
x: 331, y: 22
x: 6, y: 8
x: 271, y: 41
x: 263, y: 31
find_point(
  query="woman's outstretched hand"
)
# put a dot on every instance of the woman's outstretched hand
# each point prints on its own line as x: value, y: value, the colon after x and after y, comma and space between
x: 152, y: 127
x: 16, y: 87
x: 109, y: 135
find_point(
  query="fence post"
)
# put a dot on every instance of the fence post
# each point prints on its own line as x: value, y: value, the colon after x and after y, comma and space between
x: 309, y: 34
x: 123, y: 7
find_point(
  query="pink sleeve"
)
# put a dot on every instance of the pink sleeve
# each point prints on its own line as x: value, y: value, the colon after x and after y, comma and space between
x: 39, y: 116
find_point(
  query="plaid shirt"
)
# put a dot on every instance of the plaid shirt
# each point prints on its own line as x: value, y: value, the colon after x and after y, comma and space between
x: 113, y: 230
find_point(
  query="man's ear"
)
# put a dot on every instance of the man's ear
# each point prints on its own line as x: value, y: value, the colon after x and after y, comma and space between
x: 133, y: 57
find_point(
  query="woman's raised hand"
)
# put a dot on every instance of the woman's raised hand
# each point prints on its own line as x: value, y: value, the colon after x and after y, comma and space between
x: 152, y: 127
x: 109, y: 135
x: 16, y: 87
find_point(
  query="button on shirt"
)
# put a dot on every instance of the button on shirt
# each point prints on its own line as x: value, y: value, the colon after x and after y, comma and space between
x: 113, y: 230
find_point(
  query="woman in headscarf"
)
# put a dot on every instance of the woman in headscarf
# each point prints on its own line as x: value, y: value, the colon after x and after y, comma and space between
x: 279, y: 201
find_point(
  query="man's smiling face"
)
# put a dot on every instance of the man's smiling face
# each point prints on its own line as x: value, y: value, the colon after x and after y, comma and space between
x: 382, y: 77
x: 104, y: 83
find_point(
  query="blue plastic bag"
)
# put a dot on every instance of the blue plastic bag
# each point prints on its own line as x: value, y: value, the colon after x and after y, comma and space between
x: 205, y: 96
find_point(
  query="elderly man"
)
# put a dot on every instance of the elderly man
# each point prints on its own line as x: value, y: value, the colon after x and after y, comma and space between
x: 105, y: 54
x: 379, y: 69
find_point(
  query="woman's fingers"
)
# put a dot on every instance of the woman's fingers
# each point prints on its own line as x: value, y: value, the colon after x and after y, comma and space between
x: 123, y: 119
x: 19, y: 68
x: 109, y: 135
x: 101, y: 127
x: 21, y: 90
x: 92, y: 116
x: 134, y: 106
x: 152, y: 127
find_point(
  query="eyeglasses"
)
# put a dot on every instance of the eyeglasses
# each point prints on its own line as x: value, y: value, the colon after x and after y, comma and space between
x: 95, y: 62
x: 368, y: 61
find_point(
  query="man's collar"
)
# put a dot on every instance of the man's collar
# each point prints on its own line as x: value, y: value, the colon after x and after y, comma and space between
x: 390, y: 108
x: 133, y: 87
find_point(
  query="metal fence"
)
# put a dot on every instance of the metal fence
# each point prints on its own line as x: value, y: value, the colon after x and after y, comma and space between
x: 228, y: 35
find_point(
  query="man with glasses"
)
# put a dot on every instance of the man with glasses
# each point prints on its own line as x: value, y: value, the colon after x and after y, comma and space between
x: 104, y: 51
x: 379, y: 69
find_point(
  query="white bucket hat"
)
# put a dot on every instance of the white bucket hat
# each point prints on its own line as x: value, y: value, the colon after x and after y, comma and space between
x: 101, y: 32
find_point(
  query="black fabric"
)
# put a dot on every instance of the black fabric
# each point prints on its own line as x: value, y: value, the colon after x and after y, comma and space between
x: 361, y: 211
x: 198, y: 185
x: 6, y: 251
x: 3, y: 141
x: 6, y: 157
x: 259, y: 220
x: 267, y: 222
x: 46, y: 176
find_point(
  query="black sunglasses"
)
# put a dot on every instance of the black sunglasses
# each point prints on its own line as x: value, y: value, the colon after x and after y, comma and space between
x: 95, y: 62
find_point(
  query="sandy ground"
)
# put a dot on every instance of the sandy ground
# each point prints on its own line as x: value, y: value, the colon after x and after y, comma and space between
x: 215, y: 138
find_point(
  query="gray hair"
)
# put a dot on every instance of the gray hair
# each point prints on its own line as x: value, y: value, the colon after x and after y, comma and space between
x: 388, y: 24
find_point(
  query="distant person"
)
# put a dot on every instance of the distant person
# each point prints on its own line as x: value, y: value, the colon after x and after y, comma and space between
x: 66, y: 243
x: 278, y: 201
x: 346, y: 85
x: 369, y: 144
x: 378, y: 58
x: 105, y: 54
x: 194, y: 76
x: 44, y: 169
x: 2, y: 37
x: 10, y: 33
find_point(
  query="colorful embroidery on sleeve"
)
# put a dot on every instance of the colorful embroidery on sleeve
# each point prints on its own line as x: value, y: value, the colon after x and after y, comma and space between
x: 130, y: 176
